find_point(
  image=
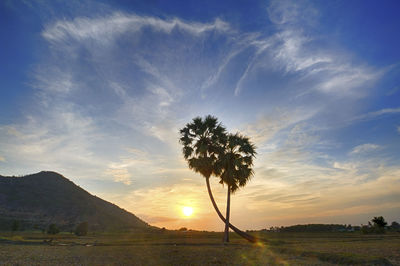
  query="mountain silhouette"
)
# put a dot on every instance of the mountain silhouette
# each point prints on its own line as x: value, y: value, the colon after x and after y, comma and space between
x: 37, y: 200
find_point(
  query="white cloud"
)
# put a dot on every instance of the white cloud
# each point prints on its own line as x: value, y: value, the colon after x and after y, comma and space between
x: 294, y: 51
x: 104, y: 29
x: 53, y: 80
x: 374, y: 115
x: 382, y: 112
x: 214, y: 77
x: 364, y: 148
x: 264, y: 129
x: 118, y: 89
x: 120, y: 174
x: 283, y: 12
x: 345, y: 166
x: 62, y: 140
x: 328, y: 71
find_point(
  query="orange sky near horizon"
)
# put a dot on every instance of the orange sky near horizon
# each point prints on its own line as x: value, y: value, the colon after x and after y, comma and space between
x: 263, y: 203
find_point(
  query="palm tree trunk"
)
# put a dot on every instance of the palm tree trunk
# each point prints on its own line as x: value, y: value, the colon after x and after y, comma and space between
x: 246, y: 236
x: 228, y: 206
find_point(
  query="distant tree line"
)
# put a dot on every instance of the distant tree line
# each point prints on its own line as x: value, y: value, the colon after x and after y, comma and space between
x: 312, y: 228
x: 377, y: 225
x: 317, y: 228
x: 80, y: 230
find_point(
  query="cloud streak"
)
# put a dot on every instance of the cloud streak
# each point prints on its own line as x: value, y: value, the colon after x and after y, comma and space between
x: 105, y: 29
x: 364, y: 148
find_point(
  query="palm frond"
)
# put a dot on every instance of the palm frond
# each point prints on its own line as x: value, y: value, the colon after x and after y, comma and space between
x: 202, y: 141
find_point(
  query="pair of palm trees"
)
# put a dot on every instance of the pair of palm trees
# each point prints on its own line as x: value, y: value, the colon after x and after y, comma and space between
x: 210, y: 150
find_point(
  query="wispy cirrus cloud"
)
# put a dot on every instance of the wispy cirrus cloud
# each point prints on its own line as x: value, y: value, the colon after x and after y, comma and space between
x: 292, y: 49
x: 295, y: 51
x: 385, y: 111
x: 268, y: 126
x: 363, y: 148
x: 373, y: 115
x: 120, y: 173
x: 105, y: 29
x: 289, y: 12
x: 61, y: 140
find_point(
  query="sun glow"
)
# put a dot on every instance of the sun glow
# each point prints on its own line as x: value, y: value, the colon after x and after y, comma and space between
x: 187, y: 211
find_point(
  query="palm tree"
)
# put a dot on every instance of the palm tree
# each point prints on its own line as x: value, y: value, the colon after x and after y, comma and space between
x: 203, y: 141
x: 235, y: 164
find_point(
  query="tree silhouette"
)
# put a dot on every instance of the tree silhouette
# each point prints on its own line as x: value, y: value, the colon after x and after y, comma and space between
x: 15, y: 225
x: 379, y: 222
x: 235, y: 164
x: 203, y: 141
x: 82, y: 229
x: 53, y: 229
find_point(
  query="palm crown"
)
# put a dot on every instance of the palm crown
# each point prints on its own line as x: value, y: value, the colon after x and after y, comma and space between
x: 202, y: 142
x: 236, y: 161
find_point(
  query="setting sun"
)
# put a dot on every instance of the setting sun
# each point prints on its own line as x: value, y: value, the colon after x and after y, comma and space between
x: 187, y: 211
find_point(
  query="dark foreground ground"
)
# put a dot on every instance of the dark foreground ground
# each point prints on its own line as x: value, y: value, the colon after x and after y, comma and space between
x: 198, y: 248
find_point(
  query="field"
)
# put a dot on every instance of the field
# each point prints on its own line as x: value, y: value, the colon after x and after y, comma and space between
x: 198, y: 248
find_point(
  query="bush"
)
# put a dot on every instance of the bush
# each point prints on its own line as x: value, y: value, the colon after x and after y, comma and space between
x: 372, y: 229
x: 15, y: 226
x: 379, y: 222
x: 53, y: 229
x: 395, y: 226
x: 82, y: 229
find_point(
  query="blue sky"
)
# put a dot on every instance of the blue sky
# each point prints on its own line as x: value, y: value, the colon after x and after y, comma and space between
x: 97, y: 90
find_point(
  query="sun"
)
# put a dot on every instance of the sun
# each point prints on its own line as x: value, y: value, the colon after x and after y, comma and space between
x: 187, y: 211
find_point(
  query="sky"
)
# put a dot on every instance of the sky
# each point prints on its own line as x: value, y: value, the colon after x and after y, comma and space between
x: 98, y: 90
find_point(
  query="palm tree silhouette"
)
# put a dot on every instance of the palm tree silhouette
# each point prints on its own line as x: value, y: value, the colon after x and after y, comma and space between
x: 235, y: 166
x: 203, y: 142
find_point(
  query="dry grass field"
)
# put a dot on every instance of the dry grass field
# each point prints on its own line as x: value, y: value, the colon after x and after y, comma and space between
x: 198, y: 248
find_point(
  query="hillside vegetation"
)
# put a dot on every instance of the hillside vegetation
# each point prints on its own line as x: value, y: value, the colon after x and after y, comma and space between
x: 37, y: 200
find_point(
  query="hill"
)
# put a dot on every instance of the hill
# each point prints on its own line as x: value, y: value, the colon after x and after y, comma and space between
x: 38, y: 200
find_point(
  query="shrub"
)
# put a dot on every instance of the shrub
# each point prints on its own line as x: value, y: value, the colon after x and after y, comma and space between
x: 379, y: 222
x: 365, y: 229
x: 53, y: 229
x: 82, y: 229
x: 376, y: 227
x: 15, y: 225
x: 395, y: 226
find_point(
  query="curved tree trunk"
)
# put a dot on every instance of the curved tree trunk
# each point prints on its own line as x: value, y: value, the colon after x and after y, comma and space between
x: 246, y: 236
